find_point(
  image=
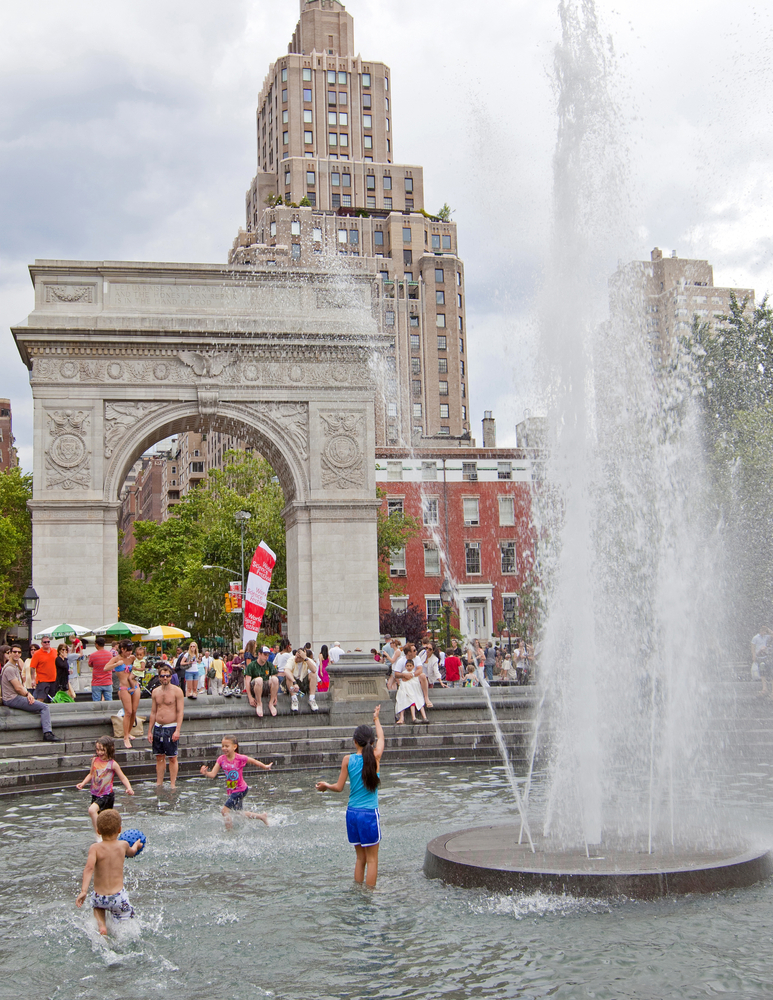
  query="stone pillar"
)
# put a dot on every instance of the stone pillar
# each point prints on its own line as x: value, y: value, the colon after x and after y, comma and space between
x: 332, y: 573
x: 75, y: 561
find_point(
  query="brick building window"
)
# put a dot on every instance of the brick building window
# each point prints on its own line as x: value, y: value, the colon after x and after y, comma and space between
x: 416, y: 387
x: 395, y: 506
x: 442, y: 342
x: 433, y: 609
x: 430, y: 510
x: 394, y: 470
x: 469, y: 472
x: 471, y: 511
x: 431, y: 560
x: 507, y: 551
x: 504, y: 470
x: 444, y: 411
x: 472, y: 558
x: 416, y: 366
x: 442, y: 366
x: 507, y: 511
x: 397, y: 562
x: 429, y: 471
x: 443, y: 388
x: 509, y: 607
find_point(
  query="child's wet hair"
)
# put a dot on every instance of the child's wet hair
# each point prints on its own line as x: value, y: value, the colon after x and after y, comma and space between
x: 109, y: 744
x: 365, y: 737
x: 109, y: 823
x: 232, y: 739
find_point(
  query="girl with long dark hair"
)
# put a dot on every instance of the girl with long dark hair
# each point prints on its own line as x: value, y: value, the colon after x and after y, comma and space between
x: 128, y: 687
x: 362, y: 820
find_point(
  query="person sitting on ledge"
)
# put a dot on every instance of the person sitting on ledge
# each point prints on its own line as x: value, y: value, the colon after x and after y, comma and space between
x: 15, y: 695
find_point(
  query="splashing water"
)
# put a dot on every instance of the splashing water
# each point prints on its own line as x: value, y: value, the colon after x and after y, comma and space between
x: 627, y: 555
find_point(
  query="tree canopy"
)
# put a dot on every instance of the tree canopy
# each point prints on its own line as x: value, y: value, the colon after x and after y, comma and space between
x: 15, y: 544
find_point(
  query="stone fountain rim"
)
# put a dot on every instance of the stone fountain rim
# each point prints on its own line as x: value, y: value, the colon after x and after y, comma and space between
x: 728, y: 872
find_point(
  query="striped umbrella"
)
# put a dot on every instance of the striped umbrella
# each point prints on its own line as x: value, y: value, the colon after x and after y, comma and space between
x: 121, y: 629
x: 161, y: 632
x: 63, y: 630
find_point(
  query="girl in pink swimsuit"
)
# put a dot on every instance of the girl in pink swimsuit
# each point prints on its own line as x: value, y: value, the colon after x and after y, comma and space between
x: 103, y: 770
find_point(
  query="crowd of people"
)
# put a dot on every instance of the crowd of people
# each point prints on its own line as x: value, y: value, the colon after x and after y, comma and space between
x: 124, y: 672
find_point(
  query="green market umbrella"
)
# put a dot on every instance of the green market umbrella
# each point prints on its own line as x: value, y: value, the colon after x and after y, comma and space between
x: 121, y: 629
x: 63, y: 630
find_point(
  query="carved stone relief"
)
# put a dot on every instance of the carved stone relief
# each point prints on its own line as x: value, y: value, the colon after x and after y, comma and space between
x: 119, y: 417
x: 71, y: 293
x: 67, y: 458
x: 342, y: 456
x: 227, y: 367
x: 293, y: 418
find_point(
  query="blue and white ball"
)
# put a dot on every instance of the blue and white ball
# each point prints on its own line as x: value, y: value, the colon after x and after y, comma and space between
x: 131, y: 837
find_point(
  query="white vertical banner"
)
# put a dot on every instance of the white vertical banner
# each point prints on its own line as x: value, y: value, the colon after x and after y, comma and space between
x: 256, y: 591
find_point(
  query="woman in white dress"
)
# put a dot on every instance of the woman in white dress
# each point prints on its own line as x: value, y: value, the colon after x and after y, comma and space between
x: 409, y: 694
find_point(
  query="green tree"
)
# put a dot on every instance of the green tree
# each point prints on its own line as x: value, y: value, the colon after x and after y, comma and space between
x: 445, y: 212
x: 732, y: 375
x: 393, y: 532
x: 15, y: 544
x: 169, y: 557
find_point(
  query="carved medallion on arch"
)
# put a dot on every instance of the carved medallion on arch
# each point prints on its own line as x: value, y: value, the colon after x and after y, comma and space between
x: 67, y: 456
x: 342, y: 457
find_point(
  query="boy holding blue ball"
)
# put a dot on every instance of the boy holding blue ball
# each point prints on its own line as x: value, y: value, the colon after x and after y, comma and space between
x: 105, y: 863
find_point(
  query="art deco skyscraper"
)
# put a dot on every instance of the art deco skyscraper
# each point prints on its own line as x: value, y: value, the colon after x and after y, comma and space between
x: 327, y: 183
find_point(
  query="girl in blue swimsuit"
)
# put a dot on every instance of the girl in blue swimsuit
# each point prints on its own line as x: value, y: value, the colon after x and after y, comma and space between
x: 129, y: 688
x: 362, y: 820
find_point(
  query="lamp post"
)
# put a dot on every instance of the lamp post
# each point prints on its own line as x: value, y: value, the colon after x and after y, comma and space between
x: 446, y: 599
x: 31, y: 602
x: 242, y: 516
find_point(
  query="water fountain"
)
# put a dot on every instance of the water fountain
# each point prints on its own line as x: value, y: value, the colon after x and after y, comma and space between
x: 628, y: 561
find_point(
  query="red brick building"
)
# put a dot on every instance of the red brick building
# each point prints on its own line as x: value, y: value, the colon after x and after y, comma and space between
x: 474, y: 505
x: 8, y: 456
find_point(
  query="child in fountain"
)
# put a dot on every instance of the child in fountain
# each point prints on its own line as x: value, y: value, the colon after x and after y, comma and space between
x: 362, y: 819
x: 233, y: 763
x: 105, y: 863
x: 104, y: 769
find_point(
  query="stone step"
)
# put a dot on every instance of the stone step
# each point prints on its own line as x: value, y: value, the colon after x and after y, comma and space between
x: 143, y: 768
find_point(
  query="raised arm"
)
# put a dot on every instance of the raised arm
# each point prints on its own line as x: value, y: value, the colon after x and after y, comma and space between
x: 324, y: 786
x: 380, y: 741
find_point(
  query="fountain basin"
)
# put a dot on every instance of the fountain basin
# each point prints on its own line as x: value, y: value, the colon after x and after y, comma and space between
x: 490, y: 857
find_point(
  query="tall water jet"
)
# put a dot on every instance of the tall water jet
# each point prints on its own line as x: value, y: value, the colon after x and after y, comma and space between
x: 626, y: 553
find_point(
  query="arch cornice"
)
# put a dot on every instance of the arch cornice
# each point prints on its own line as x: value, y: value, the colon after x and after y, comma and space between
x: 279, y: 431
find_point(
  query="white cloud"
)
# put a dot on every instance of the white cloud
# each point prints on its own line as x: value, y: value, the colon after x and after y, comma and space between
x: 127, y: 132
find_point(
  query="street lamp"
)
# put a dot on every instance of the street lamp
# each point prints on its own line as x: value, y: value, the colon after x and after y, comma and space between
x: 242, y: 516
x: 31, y: 603
x: 447, y: 599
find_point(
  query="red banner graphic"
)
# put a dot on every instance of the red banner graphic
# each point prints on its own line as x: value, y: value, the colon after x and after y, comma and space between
x: 256, y: 591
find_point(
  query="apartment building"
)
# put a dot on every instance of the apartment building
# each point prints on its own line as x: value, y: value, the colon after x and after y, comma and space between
x: 474, y: 508
x: 8, y: 457
x: 668, y: 292
x: 328, y: 195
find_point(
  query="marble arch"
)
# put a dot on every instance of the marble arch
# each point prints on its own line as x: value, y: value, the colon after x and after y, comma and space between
x: 121, y: 355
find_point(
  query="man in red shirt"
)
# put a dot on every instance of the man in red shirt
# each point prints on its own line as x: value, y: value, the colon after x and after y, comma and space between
x: 101, y: 679
x: 43, y: 670
x: 453, y: 669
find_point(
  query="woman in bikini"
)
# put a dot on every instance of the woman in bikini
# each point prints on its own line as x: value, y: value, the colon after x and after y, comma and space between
x: 128, y: 687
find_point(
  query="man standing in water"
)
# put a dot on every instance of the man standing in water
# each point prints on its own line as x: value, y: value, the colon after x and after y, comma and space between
x: 166, y: 719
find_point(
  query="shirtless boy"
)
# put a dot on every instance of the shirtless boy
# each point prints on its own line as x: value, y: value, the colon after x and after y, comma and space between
x: 105, y: 863
x: 166, y: 718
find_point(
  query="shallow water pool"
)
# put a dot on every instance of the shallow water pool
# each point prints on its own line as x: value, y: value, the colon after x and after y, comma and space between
x: 274, y: 911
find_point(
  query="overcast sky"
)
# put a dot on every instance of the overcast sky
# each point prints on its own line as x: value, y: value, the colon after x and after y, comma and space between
x: 127, y: 133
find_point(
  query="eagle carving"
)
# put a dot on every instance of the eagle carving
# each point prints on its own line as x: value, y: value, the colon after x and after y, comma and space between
x: 211, y: 364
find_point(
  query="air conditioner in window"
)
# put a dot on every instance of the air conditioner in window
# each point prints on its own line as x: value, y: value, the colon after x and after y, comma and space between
x: 472, y: 524
x: 397, y: 572
x: 472, y: 477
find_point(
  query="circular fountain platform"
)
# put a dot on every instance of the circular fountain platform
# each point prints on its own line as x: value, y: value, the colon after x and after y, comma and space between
x: 490, y: 857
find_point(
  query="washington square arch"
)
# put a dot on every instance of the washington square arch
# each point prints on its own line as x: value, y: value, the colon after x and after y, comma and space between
x: 122, y: 355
